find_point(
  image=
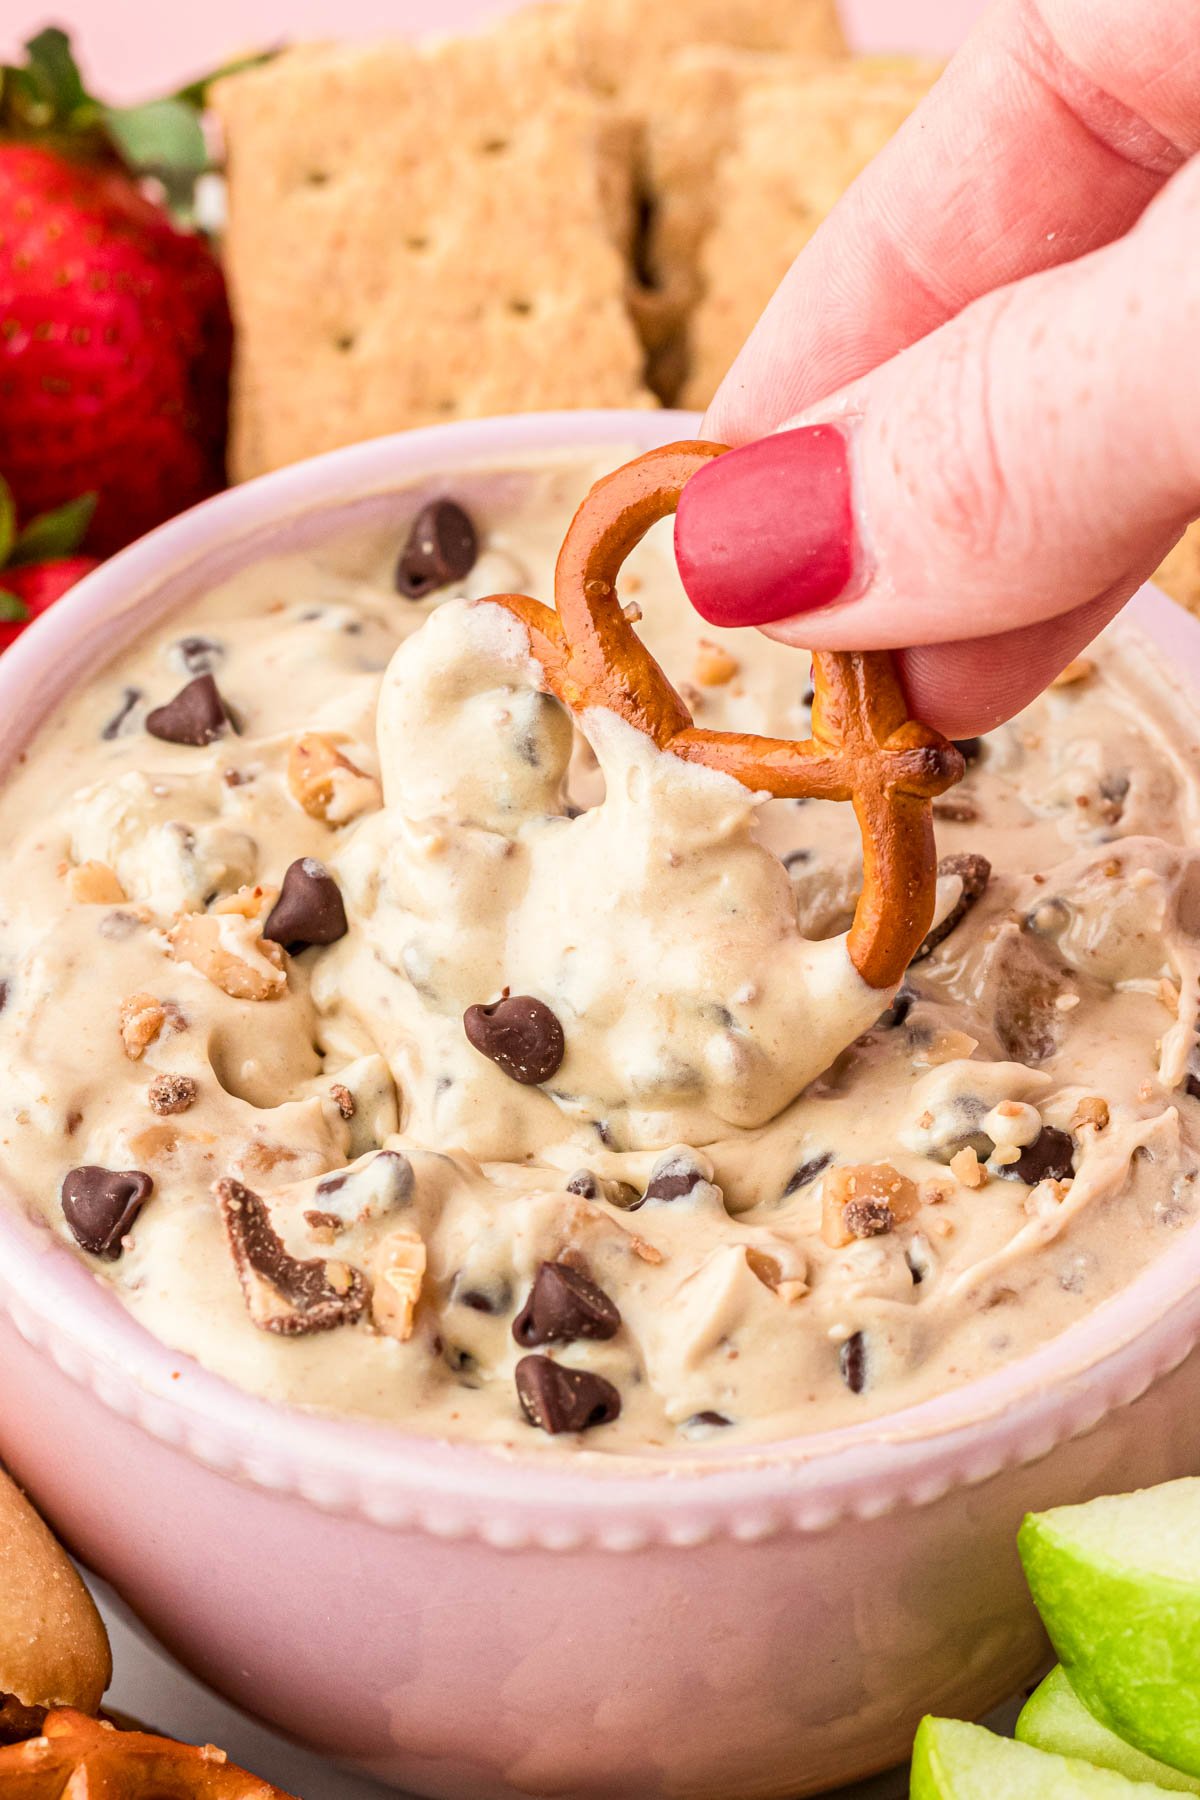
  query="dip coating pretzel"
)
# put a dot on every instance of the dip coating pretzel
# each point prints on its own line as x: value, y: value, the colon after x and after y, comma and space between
x: 864, y: 746
x: 87, y: 1759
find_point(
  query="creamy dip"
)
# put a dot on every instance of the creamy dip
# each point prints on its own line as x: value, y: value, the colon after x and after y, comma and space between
x: 545, y: 1093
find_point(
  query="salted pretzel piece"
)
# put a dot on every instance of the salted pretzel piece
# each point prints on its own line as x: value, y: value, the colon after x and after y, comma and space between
x: 864, y: 746
x: 87, y: 1759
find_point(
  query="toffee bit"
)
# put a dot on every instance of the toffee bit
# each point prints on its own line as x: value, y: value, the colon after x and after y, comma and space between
x: 172, y: 1094
x: 284, y: 1293
x: 343, y: 1099
x: 974, y: 872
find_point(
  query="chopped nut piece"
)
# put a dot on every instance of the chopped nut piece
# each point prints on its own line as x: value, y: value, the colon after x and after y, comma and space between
x: 232, y: 952
x: 142, y: 1018
x: 1045, y: 1199
x: 172, y: 1094
x: 789, y: 1288
x: 863, y: 1186
x: 1168, y: 993
x: 945, y: 1046
x: 1079, y: 670
x: 1004, y: 1154
x: 343, y: 1099
x: 649, y: 1253
x: 327, y: 784
x: 398, y: 1271
x: 1091, y: 1111
x: 713, y: 667
x: 247, y: 903
x: 94, y: 884
x: 965, y: 1167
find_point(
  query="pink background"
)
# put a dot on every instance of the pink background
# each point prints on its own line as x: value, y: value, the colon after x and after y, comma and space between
x: 135, y: 48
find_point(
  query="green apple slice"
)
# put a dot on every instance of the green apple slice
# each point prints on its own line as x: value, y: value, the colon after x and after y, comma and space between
x: 1117, y: 1583
x: 1055, y: 1718
x: 965, y: 1762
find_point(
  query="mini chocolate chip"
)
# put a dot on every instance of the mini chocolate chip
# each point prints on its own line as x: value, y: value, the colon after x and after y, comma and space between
x: 709, y: 1418
x: 557, y: 1399
x: 807, y: 1173
x: 974, y: 871
x: 5, y: 992
x: 898, y: 1011
x: 970, y: 749
x: 914, y: 1268
x: 852, y: 1363
x: 564, y: 1305
x: 441, y: 547
x: 200, y: 655
x: 520, y: 1035
x: 129, y: 700
x: 1191, y: 1085
x: 955, y: 812
x: 673, y: 1177
x: 197, y: 714
x: 867, y: 1218
x: 100, y: 1206
x: 309, y: 909
x: 478, y: 1301
x: 796, y: 859
x: 1050, y: 1157
x: 172, y: 1093
x: 583, y: 1183
x: 324, y: 1221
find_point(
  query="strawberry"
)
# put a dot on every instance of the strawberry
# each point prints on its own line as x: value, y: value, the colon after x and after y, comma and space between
x: 39, y: 564
x: 115, y: 333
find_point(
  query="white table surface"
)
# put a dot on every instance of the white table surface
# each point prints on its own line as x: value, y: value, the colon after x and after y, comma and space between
x: 151, y: 1686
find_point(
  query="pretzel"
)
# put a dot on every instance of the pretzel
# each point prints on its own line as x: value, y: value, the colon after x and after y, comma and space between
x: 88, y: 1759
x: 864, y: 746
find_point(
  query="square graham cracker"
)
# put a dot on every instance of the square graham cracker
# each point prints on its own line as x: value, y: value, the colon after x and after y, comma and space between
x: 624, y: 45
x: 797, y: 143
x: 1179, y: 573
x: 422, y: 233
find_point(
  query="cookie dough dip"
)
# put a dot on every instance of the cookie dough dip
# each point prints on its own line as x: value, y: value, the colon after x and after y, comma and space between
x: 399, y: 1045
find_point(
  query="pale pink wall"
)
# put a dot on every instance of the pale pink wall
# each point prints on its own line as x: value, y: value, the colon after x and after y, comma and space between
x: 133, y: 48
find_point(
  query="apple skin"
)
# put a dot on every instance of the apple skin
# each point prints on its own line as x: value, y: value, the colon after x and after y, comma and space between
x: 1054, y: 1718
x: 1129, y: 1641
x: 952, y: 1761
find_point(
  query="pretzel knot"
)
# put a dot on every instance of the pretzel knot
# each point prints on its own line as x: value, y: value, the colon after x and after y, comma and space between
x: 864, y: 746
x: 88, y: 1759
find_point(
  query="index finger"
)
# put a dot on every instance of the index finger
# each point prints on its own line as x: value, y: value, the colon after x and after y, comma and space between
x: 1048, y: 134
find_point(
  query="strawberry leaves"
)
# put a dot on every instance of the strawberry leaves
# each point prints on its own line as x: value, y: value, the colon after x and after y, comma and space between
x: 46, y: 538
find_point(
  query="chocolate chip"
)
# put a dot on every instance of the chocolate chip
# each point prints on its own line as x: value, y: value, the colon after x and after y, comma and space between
x: 5, y: 993
x: 441, y: 547
x: 852, y: 1363
x: 955, y: 812
x: 564, y: 1305
x: 200, y: 655
x: 867, y: 1218
x: 1191, y: 1085
x: 129, y: 700
x: 796, y: 859
x: 1050, y: 1157
x: 284, y: 1293
x: 309, y: 909
x: 974, y: 871
x: 584, y: 1183
x: 100, y: 1206
x: 520, y: 1035
x: 709, y: 1418
x: 807, y: 1173
x: 482, y: 1302
x: 197, y: 714
x: 673, y: 1177
x: 970, y: 749
x: 557, y: 1399
x: 898, y: 1011
x: 172, y: 1094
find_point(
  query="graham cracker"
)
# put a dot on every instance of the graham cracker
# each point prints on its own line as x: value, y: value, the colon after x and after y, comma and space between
x: 624, y: 45
x: 1179, y: 574
x: 423, y: 233
x: 798, y: 140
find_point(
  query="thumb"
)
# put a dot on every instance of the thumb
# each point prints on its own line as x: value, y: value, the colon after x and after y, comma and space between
x: 1016, y: 472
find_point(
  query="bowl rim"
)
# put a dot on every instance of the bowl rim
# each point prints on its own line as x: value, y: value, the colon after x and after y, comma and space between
x: 449, y: 1489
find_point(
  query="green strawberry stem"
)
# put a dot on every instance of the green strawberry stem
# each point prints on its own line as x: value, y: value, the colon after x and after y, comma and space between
x: 44, y: 538
x: 12, y: 610
x: 45, y: 98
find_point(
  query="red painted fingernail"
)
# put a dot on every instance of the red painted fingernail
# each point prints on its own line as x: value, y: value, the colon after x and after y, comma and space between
x: 767, y: 531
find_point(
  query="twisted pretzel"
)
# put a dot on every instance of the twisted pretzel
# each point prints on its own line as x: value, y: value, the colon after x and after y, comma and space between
x: 864, y: 746
x: 87, y: 1759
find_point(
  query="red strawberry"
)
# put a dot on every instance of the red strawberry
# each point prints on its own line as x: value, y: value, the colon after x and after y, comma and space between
x: 39, y: 564
x: 114, y: 326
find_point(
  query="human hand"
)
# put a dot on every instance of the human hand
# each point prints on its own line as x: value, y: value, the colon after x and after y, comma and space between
x: 995, y: 337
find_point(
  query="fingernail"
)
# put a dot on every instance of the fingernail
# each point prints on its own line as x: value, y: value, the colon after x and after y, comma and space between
x: 767, y: 531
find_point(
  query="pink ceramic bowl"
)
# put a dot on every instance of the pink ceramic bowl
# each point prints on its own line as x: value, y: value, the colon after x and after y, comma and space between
x: 468, y: 1624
